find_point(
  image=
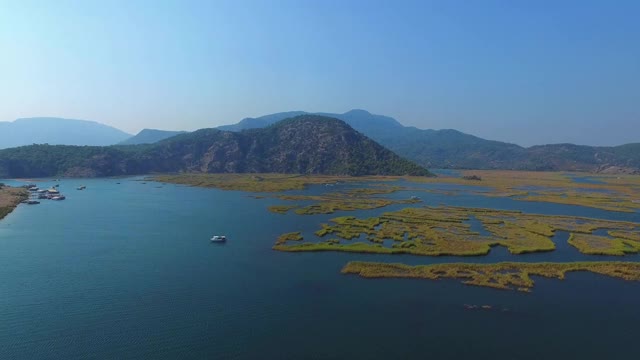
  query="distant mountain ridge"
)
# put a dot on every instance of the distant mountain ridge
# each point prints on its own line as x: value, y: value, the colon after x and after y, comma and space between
x: 453, y: 149
x: 150, y: 136
x: 358, y: 119
x: 430, y: 148
x: 307, y: 144
x: 53, y: 131
x: 260, y: 122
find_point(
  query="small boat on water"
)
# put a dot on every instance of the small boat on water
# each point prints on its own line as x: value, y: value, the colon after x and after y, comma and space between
x: 81, y: 187
x: 218, y: 238
x: 58, y: 197
x: 30, y: 202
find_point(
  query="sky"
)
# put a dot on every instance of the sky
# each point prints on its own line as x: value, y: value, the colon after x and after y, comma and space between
x: 526, y: 72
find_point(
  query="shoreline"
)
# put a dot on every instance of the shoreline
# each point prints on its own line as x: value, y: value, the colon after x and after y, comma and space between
x: 10, y: 198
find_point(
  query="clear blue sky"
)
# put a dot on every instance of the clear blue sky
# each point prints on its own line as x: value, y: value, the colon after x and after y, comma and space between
x: 528, y: 72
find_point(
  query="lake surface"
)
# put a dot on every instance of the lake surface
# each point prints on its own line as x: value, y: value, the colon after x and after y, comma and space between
x: 126, y: 271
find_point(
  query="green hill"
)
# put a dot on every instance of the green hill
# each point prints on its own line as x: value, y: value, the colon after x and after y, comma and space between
x: 430, y: 148
x: 307, y: 144
x: 453, y: 149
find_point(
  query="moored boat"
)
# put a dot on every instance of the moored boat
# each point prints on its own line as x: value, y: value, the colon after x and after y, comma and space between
x: 218, y: 238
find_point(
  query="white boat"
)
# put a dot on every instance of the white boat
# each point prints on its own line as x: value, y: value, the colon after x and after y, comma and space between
x: 218, y: 238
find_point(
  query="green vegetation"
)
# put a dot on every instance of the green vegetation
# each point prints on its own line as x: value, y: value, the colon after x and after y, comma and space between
x: 505, y: 184
x: 302, y: 145
x: 603, y: 245
x: 436, y: 231
x: 348, y: 200
x: 504, y: 276
x: 260, y: 182
x: 595, y: 200
x: 615, y: 193
x: 10, y: 197
x: 628, y: 235
x: 330, y: 245
x: 52, y: 160
x: 442, y: 149
x: 281, y: 209
x: 292, y: 236
x: 331, y: 206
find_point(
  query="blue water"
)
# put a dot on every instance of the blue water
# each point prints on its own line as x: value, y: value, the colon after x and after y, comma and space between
x: 126, y: 271
x: 582, y: 179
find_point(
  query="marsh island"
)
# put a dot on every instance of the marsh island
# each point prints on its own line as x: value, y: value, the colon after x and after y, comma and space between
x: 504, y: 276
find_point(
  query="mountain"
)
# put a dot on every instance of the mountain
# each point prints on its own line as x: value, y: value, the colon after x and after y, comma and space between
x: 607, y: 159
x: 430, y: 148
x: 263, y: 121
x: 454, y: 149
x: 150, y: 136
x: 47, y: 130
x: 307, y: 144
x: 360, y: 120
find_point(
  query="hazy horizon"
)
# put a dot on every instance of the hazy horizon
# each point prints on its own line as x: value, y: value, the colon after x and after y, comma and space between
x: 522, y: 72
x: 311, y: 112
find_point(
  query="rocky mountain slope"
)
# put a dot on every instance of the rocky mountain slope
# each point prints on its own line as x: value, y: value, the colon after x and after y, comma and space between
x: 307, y: 144
x: 453, y: 149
